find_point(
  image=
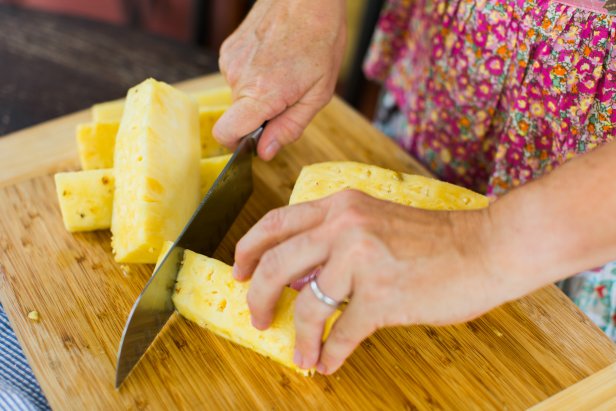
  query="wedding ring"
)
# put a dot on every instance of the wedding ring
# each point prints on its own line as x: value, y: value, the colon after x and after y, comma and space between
x: 321, y: 296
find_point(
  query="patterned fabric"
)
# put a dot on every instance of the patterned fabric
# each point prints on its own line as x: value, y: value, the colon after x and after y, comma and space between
x: 491, y: 94
x: 19, y: 389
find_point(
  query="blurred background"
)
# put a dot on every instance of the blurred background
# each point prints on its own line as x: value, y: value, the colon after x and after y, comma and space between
x: 113, y: 44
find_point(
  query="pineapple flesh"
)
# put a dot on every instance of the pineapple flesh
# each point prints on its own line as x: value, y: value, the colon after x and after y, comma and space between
x: 85, y: 199
x: 108, y: 112
x: 217, y: 96
x: 156, y: 166
x: 83, y: 188
x: 208, y: 116
x: 96, y: 143
x: 207, y: 294
x: 323, y: 179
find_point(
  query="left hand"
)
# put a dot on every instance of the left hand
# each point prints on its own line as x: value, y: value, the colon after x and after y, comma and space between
x: 399, y: 266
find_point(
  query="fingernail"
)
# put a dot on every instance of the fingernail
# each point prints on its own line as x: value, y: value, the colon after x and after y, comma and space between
x: 297, y: 358
x: 258, y: 324
x: 321, y: 368
x: 271, y: 149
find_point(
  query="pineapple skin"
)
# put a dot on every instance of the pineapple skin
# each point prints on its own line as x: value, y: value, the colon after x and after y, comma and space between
x: 82, y: 186
x: 207, y: 294
x: 323, y: 179
x: 156, y: 165
x: 96, y: 144
x: 85, y: 199
x: 208, y: 116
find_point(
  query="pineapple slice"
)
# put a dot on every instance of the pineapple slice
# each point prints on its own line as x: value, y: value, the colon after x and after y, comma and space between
x: 108, y: 112
x: 85, y: 199
x: 111, y: 111
x: 208, y: 116
x: 81, y: 185
x: 218, y: 96
x: 96, y: 142
x: 156, y: 165
x: 323, y: 179
x: 207, y: 294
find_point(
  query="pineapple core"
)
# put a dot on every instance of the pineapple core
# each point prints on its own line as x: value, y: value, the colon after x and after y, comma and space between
x: 156, y: 167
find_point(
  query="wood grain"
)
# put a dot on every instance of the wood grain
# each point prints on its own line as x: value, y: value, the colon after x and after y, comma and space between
x: 513, y: 357
x: 597, y: 392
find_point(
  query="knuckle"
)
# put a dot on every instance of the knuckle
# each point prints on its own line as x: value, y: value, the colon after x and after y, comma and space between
x: 273, y: 221
x: 270, y: 265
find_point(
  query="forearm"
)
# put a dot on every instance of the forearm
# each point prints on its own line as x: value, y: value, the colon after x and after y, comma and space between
x: 558, y: 225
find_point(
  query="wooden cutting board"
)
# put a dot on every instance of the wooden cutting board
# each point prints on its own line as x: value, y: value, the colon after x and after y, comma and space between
x: 513, y: 357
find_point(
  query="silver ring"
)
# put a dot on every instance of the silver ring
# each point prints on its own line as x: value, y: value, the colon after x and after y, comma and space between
x: 321, y: 296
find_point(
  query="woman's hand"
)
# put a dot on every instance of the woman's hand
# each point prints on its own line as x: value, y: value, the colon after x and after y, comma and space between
x: 399, y: 266
x: 282, y: 64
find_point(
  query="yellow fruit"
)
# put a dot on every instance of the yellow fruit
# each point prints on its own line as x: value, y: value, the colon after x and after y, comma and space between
x: 156, y: 165
x: 96, y: 142
x: 208, y: 116
x: 85, y: 199
x: 323, y: 179
x: 111, y: 111
x: 210, y: 170
x: 108, y: 112
x: 218, y: 96
x: 207, y: 294
x: 83, y: 185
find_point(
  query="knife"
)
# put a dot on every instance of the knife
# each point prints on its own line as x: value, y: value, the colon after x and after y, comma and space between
x: 202, y: 234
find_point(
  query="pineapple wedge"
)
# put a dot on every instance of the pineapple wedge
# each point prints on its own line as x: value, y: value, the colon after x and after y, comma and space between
x: 323, y: 179
x: 96, y: 143
x: 108, y: 112
x: 85, y: 199
x: 218, y: 96
x: 111, y: 111
x: 207, y: 294
x: 83, y: 188
x: 208, y: 116
x: 156, y: 165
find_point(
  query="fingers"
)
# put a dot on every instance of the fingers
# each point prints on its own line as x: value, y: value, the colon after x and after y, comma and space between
x: 246, y: 114
x: 351, y: 328
x: 286, y: 128
x: 312, y: 314
x: 292, y: 259
x: 274, y: 228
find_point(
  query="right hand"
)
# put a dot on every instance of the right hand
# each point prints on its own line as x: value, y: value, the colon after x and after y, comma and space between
x: 282, y: 64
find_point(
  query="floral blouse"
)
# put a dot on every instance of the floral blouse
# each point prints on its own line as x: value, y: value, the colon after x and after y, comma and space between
x: 490, y: 94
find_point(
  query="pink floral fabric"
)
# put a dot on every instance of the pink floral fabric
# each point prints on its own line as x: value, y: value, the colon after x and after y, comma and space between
x: 497, y: 92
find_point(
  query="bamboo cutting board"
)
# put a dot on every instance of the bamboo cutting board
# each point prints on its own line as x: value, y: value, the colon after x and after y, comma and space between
x: 513, y: 357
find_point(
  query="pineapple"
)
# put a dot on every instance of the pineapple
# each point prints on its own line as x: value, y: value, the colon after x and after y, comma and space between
x: 210, y: 170
x: 208, y: 116
x: 108, y: 112
x: 323, y: 179
x: 111, y: 111
x: 156, y: 165
x: 85, y: 199
x: 219, y: 96
x: 96, y: 142
x: 207, y: 294
x: 81, y: 185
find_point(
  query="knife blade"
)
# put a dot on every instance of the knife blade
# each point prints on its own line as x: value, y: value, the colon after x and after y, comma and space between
x: 202, y: 234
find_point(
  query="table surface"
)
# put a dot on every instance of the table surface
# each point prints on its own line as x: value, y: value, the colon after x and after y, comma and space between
x: 52, y: 65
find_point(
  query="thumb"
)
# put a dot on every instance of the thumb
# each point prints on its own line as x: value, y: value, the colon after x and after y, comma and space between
x: 246, y: 114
